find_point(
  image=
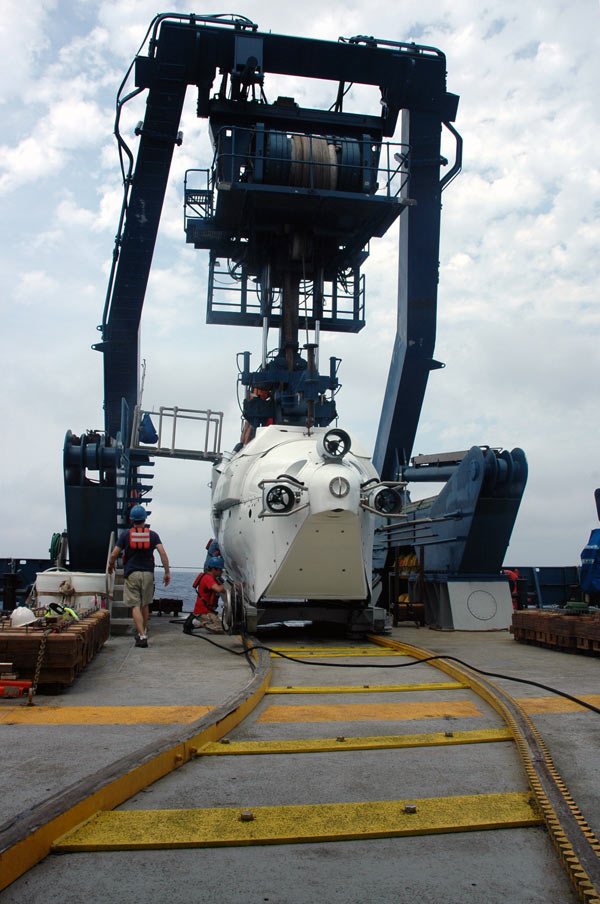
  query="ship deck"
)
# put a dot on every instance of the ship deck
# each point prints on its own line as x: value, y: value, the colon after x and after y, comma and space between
x: 131, y: 706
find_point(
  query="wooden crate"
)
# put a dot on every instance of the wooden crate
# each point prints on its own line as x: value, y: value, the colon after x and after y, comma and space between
x: 67, y: 651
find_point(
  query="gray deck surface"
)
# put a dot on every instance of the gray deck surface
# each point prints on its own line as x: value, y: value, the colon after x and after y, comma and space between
x: 174, y: 670
x: 516, y: 865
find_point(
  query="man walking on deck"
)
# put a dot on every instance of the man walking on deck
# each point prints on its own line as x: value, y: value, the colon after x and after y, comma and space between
x: 138, y: 545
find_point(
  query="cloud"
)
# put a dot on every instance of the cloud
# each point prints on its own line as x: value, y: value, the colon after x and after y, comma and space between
x: 23, y: 40
x: 69, y: 126
x: 34, y: 287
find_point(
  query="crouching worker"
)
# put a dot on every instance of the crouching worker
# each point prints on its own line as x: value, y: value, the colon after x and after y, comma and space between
x: 209, y: 587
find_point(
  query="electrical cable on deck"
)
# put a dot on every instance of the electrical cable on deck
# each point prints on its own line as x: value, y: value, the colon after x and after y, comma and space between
x: 400, y: 665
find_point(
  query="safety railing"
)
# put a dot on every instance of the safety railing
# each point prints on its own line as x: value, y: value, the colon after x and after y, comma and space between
x: 197, y: 195
x: 231, y: 290
x: 317, y: 162
x: 187, y: 433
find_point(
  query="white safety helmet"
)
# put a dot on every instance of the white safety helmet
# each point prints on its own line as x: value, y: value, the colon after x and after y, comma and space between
x: 22, y: 615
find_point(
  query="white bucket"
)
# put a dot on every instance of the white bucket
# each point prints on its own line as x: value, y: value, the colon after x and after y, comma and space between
x: 89, y: 589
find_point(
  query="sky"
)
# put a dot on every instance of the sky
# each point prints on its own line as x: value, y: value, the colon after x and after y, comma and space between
x: 518, y: 312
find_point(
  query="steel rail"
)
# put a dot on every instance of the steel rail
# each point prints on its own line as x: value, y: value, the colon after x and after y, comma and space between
x: 577, y: 846
x: 35, y: 832
x: 28, y: 838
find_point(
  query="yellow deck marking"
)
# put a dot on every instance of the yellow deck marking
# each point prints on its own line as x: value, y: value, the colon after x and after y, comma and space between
x: 154, y: 829
x: 533, y: 705
x: 332, y: 654
x: 322, y: 649
x: 369, y: 688
x: 165, y: 715
x: 100, y: 715
x: 327, y: 745
x: 22, y: 855
x: 356, y: 712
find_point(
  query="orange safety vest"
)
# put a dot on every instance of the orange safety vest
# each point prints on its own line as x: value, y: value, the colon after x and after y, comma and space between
x: 139, y: 538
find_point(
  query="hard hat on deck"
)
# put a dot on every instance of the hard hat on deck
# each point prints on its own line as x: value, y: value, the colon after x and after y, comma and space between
x: 21, y: 616
x: 215, y: 562
x: 138, y: 513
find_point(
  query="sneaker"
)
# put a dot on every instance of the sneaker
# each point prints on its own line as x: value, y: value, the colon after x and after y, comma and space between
x: 141, y: 640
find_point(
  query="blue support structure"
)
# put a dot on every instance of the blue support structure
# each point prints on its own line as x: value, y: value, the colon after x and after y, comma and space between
x: 135, y: 248
x: 473, y: 516
x: 461, y: 534
x: 288, y: 207
x: 189, y: 51
x: 412, y: 355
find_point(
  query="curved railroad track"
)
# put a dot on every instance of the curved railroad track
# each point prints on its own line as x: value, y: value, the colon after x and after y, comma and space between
x: 392, y: 764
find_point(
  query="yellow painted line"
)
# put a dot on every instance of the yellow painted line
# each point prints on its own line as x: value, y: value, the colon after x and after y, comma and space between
x: 356, y: 649
x: 561, y: 833
x: 531, y: 705
x: 369, y: 688
x: 534, y: 705
x: 328, y: 745
x: 333, y: 654
x: 356, y: 712
x: 131, y: 830
x: 16, y: 860
x: 100, y: 715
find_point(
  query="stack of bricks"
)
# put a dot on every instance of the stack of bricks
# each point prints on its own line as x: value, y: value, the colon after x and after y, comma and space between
x: 572, y: 633
x: 68, y: 649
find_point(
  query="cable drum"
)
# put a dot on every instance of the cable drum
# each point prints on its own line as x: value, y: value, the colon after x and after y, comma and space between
x: 278, y: 158
x: 318, y: 162
x: 314, y: 163
x: 352, y: 170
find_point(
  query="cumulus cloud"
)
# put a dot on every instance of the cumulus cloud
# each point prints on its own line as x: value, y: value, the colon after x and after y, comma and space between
x: 69, y: 126
x: 23, y: 41
x: 35, y: 286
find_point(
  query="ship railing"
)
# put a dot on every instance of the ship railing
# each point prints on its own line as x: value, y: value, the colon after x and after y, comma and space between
x: 311, y: 161
x: 186, y: 433
x: 198, y: 195
x: 234, y: 294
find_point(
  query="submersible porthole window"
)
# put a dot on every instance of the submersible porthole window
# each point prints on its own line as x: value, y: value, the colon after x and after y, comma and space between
x: 339, y: 487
